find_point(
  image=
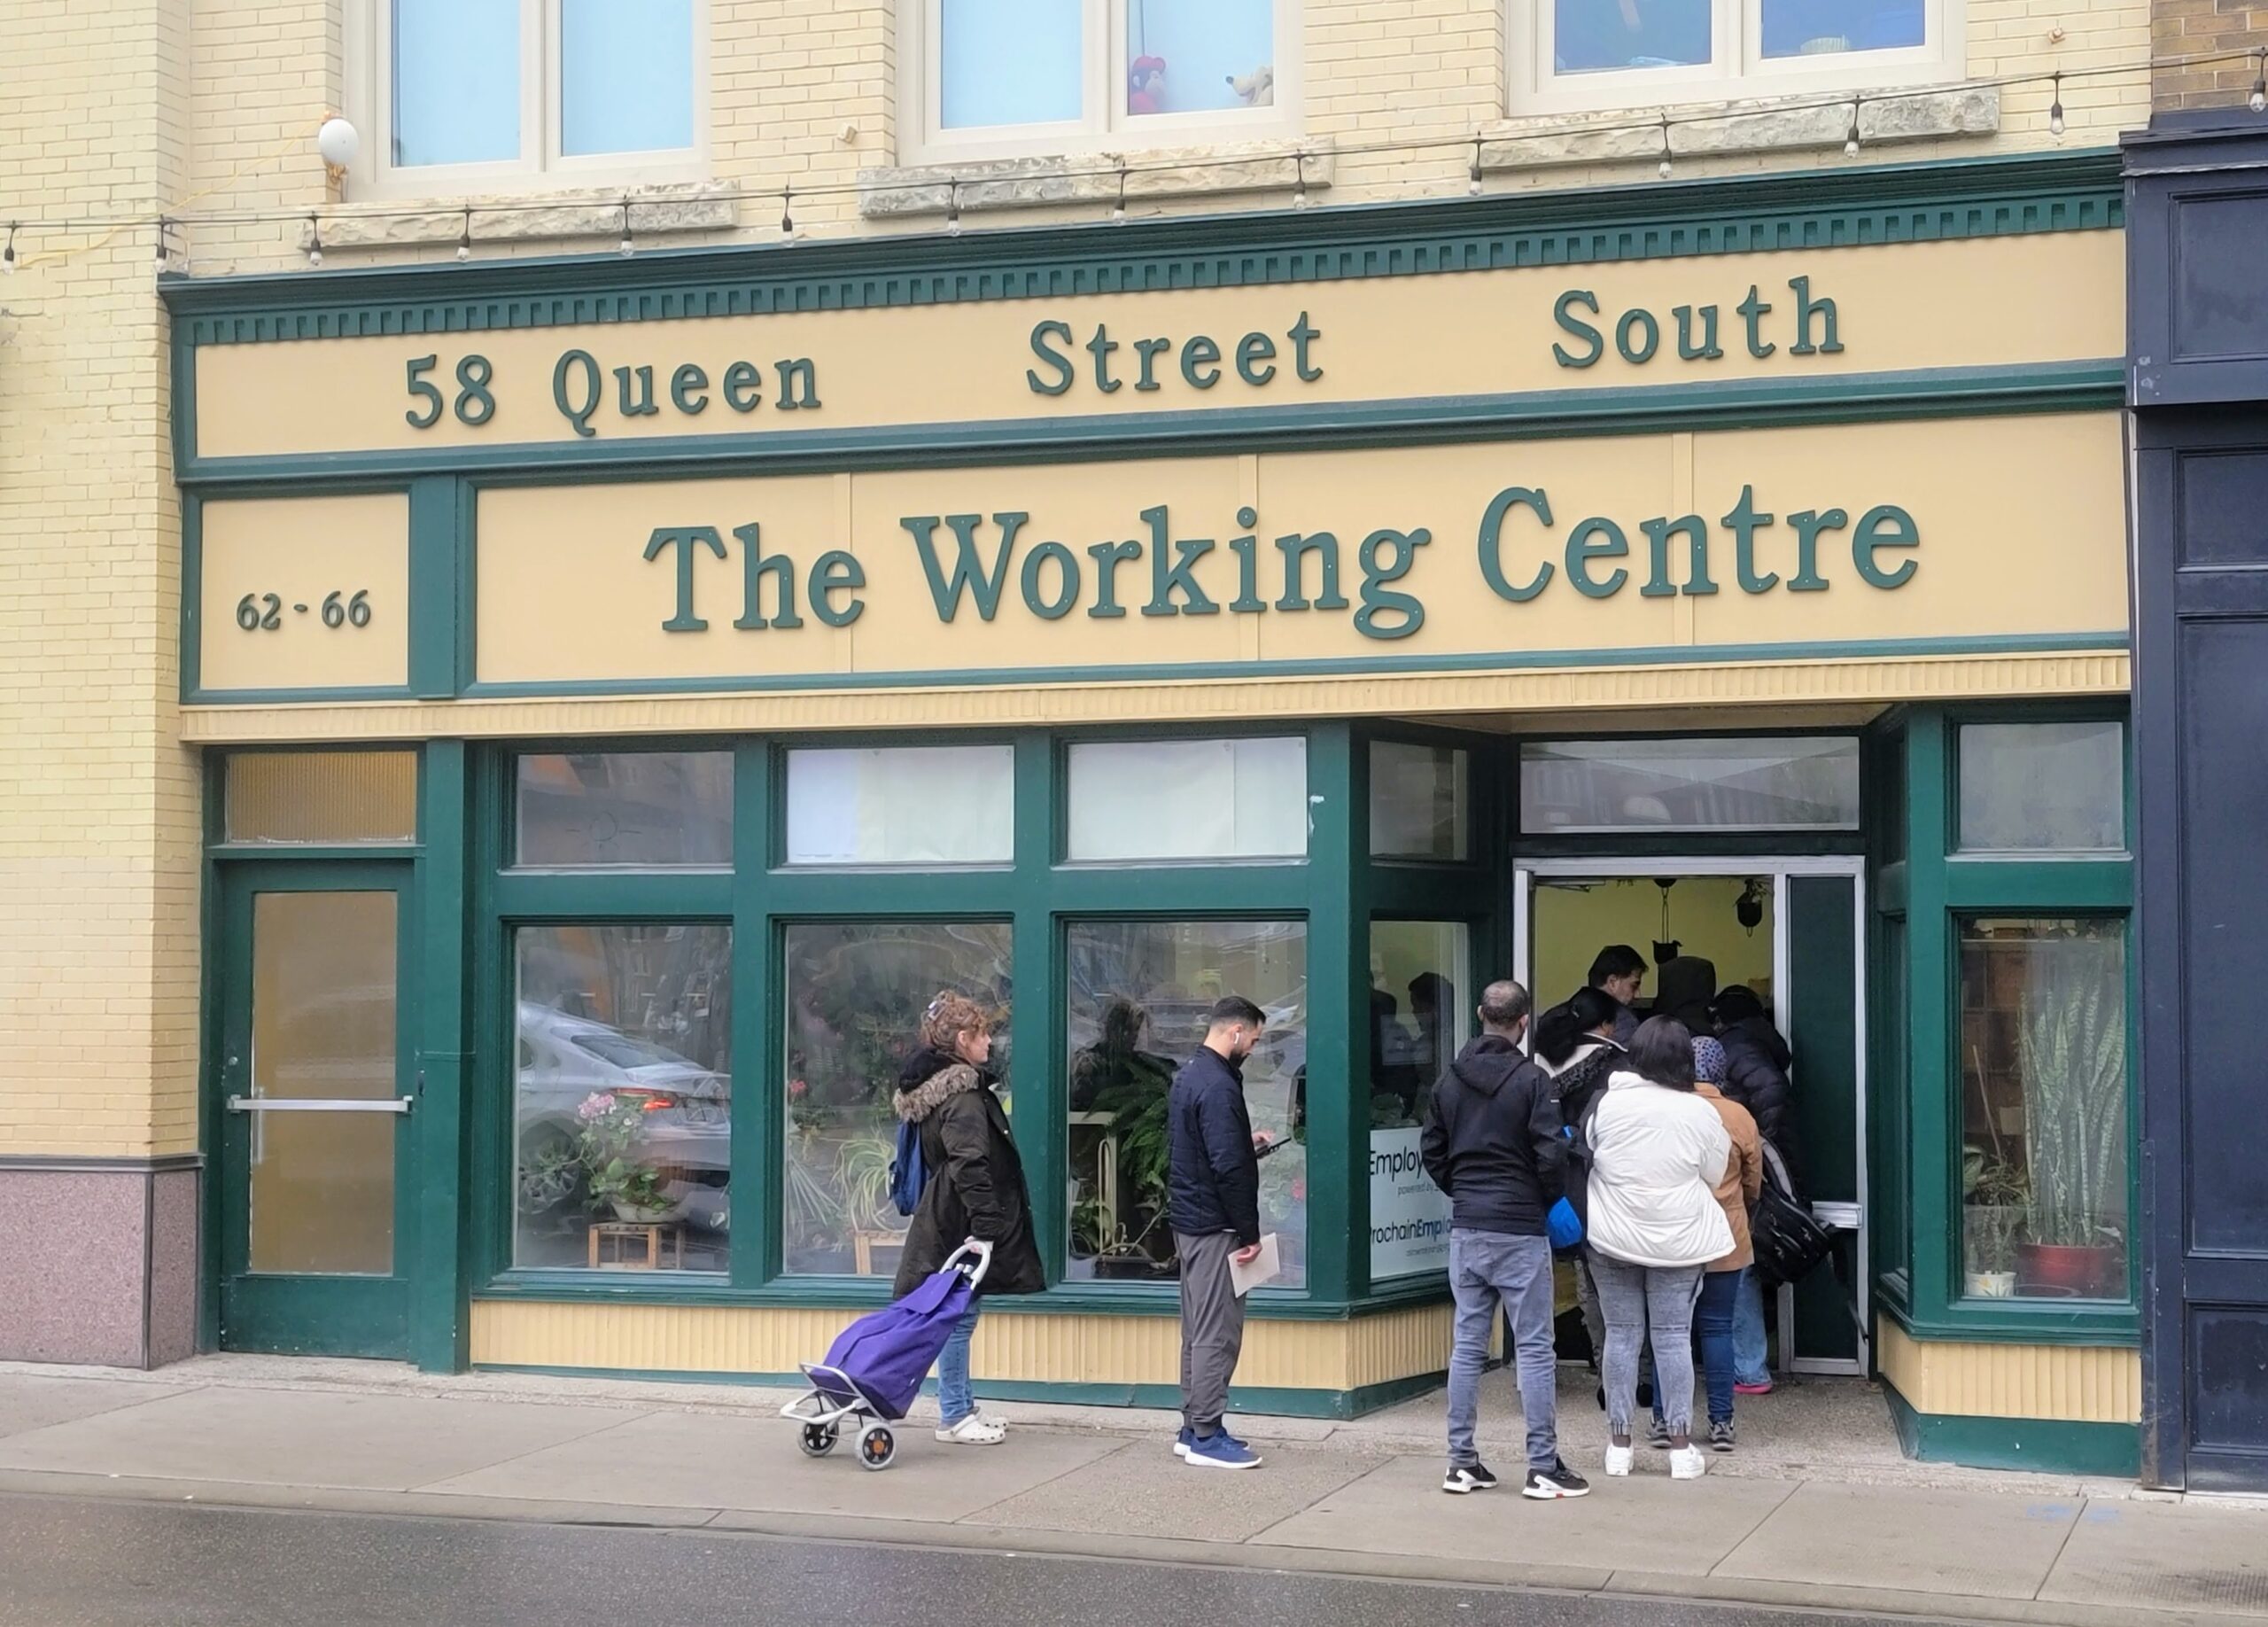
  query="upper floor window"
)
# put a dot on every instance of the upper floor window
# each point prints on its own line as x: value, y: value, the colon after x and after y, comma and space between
x: 1002, y: 78
x: 469, y: 96
x: 1569, y: 55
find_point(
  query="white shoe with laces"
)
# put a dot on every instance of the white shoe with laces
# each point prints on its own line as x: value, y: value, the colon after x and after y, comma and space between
x: 974, y: 1430
x: 1687, y: 1463
x: 1618, y: 1462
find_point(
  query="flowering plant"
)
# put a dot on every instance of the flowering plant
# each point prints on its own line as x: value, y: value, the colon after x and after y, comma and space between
x: 611, y: 1134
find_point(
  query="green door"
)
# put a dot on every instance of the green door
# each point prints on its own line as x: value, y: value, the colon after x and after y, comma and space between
x: 316, y: 1085
x: 1823, y: 1031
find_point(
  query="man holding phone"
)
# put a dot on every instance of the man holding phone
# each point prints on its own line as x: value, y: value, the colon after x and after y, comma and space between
x: 1213, y: 1203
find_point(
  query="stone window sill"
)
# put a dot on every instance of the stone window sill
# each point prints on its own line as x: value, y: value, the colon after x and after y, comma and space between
x: 1782, y: 124
x: 548, y: 217
x: 983, y: 186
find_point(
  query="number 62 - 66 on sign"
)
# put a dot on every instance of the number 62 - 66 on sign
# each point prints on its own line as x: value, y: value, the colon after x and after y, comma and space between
x: 264, y: 612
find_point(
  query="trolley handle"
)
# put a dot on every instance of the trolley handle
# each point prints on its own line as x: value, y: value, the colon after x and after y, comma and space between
x: 976, y: 1246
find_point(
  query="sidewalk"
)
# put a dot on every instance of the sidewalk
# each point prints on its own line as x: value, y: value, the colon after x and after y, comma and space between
x: 1863, y: 1531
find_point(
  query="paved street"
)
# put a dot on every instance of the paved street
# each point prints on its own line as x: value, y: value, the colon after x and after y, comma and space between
x: 65, y: 1562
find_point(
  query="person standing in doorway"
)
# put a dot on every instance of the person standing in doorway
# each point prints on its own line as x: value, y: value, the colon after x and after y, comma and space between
x: 1492, y: 1142
x: 1213, y: 1202
x: 1759, y: 1076
x: 1575, y: 1047
x: 1658, y: 1152
x: 976, y: 1190
x: 1737, y: 1190
x: 1620, y: 972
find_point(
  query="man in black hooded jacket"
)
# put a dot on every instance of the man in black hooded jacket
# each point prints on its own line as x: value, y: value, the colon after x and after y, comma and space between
x: 1493, y: 1141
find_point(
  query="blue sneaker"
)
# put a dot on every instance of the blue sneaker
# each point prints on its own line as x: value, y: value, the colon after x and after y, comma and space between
x: 1181, y: 1442
x: 1220, y: 1450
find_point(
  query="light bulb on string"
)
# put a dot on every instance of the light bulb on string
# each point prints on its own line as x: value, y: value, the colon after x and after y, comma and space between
x: 952, y: 206
x: 2258, y: 100
x: 628, y: 245
x: 8, y: 255
x: 1666, y: 165
x: 464, y: 238
x: 1299, y: 192
x: 787, y: 214
x: 1473, y: 185
x: 2056, y: 110
x: 1118, y: 209
x: 314, y: 240
x: 163, y: 225
x: 1850, y: 141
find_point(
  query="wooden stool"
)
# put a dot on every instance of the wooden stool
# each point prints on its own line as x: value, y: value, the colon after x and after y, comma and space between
x: 663, y: 1240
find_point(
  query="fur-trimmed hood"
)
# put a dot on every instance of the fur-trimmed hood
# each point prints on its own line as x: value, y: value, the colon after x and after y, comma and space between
x: 916, y: 1102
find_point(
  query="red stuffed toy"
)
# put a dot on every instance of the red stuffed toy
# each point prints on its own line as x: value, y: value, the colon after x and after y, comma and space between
x: 1145, y: 85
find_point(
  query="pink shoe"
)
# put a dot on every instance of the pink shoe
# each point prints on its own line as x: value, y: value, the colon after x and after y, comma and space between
x: 1765, y: 1388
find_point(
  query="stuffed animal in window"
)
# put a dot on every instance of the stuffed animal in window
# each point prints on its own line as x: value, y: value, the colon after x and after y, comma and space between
x: 1257, y: 88
x: 1145, y: 85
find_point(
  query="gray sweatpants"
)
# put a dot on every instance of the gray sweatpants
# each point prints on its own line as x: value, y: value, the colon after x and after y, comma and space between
x: 1211, y: 1329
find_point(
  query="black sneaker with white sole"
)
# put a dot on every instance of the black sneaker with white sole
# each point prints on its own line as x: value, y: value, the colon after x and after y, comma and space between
x: 1721, y: 1435
x: 1466, y: 1477
x: 1556, y: 1481
x: 1658, y: 1435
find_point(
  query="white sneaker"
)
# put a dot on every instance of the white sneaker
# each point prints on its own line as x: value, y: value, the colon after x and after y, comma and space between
x: 975, y: 1430
x: 1687, y: 1463
x: 1618, y: 1462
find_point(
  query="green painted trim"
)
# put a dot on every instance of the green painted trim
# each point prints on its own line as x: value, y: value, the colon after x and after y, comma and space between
x: 2086, y: 386
x: 1930, y: 201
x: 1338, y: 1014
x: 192, y: 593
x: 433, y: 578
x: 759, y: 1110
x: 2043, y: 1446
x: 1506, y: 661
x: 1981, y: 886
x: 294, y: 697
x: 439, y: 1329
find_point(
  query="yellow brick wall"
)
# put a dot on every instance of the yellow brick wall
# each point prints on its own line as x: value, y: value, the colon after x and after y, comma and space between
x: 99, y: 800
x: 206, y: 109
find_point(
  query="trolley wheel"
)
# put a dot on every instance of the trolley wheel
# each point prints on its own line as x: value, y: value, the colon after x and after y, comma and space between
x: 877, y: 1448
x: 817, y: 1439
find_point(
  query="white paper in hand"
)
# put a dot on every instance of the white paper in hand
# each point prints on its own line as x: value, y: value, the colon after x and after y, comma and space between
x: 1265, y: 1266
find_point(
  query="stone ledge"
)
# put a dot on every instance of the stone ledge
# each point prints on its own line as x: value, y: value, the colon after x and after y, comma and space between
x: 1797, y: 125
x: 654, y: 212
x: 1092, y: 178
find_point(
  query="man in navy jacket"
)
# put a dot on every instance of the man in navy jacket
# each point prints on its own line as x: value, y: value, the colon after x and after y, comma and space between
x: 1212, y: 1200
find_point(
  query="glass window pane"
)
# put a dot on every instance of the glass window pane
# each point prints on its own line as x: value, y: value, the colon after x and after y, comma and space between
x: 1137, y: 996
x: 903, y: 805
x: 1830, y: 27
x: 855, y: 996
x: 1009, y: 62
x: 2044, y: 1110
x: 322, y: 1027
x: 1418, y: 802
x: 456, y: 81
x: 1421, y: 1015
x: 1188, y: 799
x: 1632, y: 785
x: 1199, y: 56
x: 624, y: 1094
x: 652, y: 809
x: 1590, y: 36
x: 625, y: 75
x: 321, y: 797
x: 2043, y: 787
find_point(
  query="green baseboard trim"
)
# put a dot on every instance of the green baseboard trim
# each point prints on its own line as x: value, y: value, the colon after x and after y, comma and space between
x: 2045, y: 1446
x: 1261, y: 1401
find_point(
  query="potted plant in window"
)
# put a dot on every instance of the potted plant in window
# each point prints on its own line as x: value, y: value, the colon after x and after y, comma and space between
x: 2072, y: 1045
x: 611, y: 1134
x: 1994, y: 1192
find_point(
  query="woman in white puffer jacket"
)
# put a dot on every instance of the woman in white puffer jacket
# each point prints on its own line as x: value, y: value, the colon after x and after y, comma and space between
x: 1657, y: 1151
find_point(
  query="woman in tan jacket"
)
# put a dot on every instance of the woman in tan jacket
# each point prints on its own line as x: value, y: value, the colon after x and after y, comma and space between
x: 1737, y: 1192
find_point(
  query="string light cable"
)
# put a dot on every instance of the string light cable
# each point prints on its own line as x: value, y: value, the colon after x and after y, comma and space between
x: 183, y: 216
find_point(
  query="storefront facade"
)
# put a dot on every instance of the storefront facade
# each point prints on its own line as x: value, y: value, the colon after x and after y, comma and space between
x: 605, y: 768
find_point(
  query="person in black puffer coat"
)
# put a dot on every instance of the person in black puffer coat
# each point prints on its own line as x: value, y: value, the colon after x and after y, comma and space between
x: 975, y: 1189
x: 1575, y: 1047
x: 1757, y: 1061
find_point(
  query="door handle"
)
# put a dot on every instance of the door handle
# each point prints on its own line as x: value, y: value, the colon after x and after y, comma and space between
x: 318, y: 1104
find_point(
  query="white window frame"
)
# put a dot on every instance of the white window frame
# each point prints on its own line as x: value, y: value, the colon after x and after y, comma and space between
x: 540, y: 166
x: 1103, y: 126
x: 1737, y: 70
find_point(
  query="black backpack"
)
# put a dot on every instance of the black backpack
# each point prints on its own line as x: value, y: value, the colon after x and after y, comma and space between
x: 1789, y: 1242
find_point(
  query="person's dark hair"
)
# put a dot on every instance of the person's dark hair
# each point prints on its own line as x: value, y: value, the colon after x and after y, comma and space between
x: 1237, y: 1008
x: 1661, y: 1052
x: 1557, y: 1035
x: 1737, y: 1002
x: 1431, y: 989
x: 1503, y: 1003
x: 1615, y: 961
x: 1591, y: 1009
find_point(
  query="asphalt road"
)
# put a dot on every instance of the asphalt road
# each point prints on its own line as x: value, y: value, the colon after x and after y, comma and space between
x: 65, y: 1562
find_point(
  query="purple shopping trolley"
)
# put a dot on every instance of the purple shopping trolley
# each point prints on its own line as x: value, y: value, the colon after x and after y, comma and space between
x: 875, y: 1368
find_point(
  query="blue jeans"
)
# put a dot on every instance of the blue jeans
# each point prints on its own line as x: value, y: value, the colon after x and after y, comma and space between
x: 1712, y: 1317
x: 955, y: 1402
x: 1748, y: 1331
x: 1485, y: 1268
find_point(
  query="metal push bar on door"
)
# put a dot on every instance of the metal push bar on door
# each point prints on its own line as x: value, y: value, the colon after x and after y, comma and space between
x: 314, y: 1104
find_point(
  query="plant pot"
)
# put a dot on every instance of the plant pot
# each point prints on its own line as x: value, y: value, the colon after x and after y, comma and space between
x: 1125, y: 1268
x: 2066, y: 1271
x: 1989, y: 1284
x: 641, y: 1214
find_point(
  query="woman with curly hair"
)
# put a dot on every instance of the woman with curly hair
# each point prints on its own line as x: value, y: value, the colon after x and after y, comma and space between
x: 976, y: 1190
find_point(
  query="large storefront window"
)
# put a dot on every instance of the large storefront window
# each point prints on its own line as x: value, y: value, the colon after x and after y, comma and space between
x: 623, y: 1096
x: 855, y: 996
x: 1138, y: 996
x: 1422, y: 1003
x: 2044, y: 1110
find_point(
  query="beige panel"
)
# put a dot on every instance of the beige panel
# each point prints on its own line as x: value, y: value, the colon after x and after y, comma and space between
x: 2084, y: 1383
x: 1627, y: 695
x: 2015, y: 538
x: 303, y: 549
x: 1964, y: 304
